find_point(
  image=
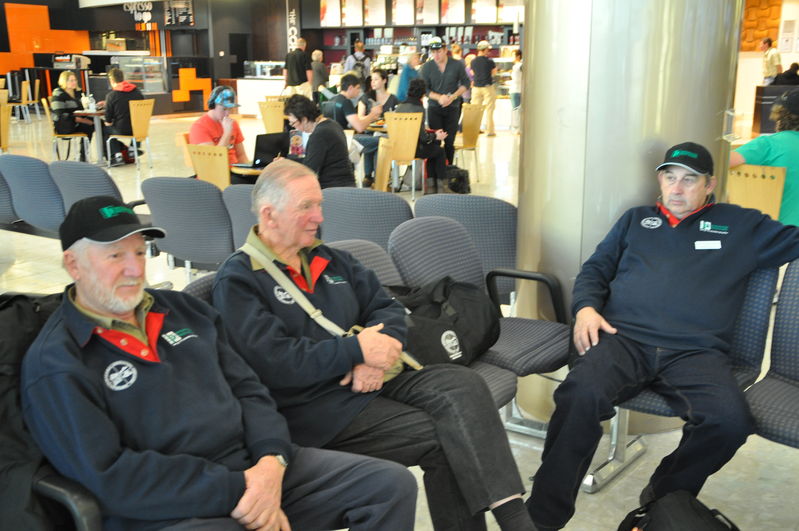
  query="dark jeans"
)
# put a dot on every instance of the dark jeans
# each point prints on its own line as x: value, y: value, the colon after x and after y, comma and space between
x: 333, y: 490
x: 369, y: 153
x: 436, y: 159
x: 697, y: 384
x: 117, y: 146
x: 445, y: 118
x: 443, y: 419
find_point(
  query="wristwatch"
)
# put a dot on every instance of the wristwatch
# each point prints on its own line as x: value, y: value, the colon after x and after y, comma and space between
x: 280, y: 459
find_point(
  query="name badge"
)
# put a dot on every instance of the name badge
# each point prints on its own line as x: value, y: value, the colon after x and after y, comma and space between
x: 704, y: 245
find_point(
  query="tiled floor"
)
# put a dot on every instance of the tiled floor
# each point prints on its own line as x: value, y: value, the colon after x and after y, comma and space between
x: 758, y: 489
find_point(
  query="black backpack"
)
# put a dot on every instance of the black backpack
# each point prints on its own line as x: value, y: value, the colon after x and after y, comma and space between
x: 449, y: 321
x: 677, y: 511
x: 458, y: 179
x: 360, y: 65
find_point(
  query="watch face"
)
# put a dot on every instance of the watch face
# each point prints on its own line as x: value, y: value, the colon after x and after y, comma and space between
x: 281, y: 460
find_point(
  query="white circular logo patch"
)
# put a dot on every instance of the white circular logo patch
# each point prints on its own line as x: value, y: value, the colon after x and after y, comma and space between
x: 283, y: 295
x: 449, y: 340
x: 651, y: 223
x: 120, y: 375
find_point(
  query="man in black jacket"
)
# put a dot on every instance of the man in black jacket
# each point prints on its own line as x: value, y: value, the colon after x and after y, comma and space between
x: 654, y: 307
x: 117, y: 114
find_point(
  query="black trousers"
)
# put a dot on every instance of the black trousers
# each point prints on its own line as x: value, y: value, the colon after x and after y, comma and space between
x: 436, y: 159
x: 697, y: 384
x: 445, y: 118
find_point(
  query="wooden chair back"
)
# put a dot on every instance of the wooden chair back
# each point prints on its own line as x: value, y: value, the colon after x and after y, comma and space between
x: 2, y: 82
x: 140, y: 113
x: 282, y: 98
x: 3, y: 97
x: 182, y: 141
x: 757, y: 187
x: 5, y: 125
x: 36, y: 85
x: 47, y: 115
x: 383, y: 166
x: 272, y: 115
x: 24, y: 96
x: 211, y: 164
x: 470, y: 130
x: 403, y: 131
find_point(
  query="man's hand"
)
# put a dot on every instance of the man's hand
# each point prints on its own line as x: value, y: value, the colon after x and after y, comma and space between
x: 366, y: 379
x: 587, y: 324
x: 375, y: 113
x: 441, y: 134
x: 227, y: 125
x: 259, y: 507
x: 445, y: 99
x: 380, y: 351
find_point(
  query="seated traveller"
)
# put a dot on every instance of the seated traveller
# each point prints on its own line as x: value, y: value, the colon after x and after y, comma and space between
x: 654, y: 307
x: 137, y: 395
x: 326, y: 152
x: 217, y: 128
x: 331, y: 389
x: 429, y: 142
x: 342, y: 110
x: 117, y: 114
x: 780, y: 149
x: 65, y: 101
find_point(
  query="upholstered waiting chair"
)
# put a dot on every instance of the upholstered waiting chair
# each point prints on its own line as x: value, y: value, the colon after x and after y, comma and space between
x: 36, y: 198
x: 7, y: 213
x: 78, y: 180
x: 57, y: 136
x: 201, y: 287
x: 361, y: 213
x: 746, y: 354
x: 195, y: 219
x: 774, y: 400
x: 140, y: 113
x: 238, y: 201
x: 429, y: 248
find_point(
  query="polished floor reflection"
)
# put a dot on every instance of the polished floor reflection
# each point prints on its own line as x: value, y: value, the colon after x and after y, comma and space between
x: 757, y: 490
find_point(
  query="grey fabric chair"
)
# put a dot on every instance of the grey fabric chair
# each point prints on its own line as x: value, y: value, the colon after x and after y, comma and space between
x: 489, y: 221
x: 195, y: 219
x: 747, y: 347
x: 501, y: 382
x: 7, y: 213
x: 238, y: 201
x: 429, y: 248
x: 201, y: 287
x: 78, y: 180
x: 36, y: 198
x: 774, y: 400
x: 361, y: 213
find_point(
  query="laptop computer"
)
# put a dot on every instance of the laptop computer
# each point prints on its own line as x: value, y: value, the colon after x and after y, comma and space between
x: 267, y: 147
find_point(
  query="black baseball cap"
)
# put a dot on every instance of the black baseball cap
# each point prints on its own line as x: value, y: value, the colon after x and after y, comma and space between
x: 690, y: 156
x: 102, y: 219
x: 790, y: 100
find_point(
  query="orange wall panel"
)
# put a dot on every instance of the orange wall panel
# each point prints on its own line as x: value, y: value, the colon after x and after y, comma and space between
x: 29, y: 32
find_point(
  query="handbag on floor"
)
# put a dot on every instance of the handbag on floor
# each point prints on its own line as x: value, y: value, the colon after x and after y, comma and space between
x: 449, y: 321
x: 677, y: 511
x: 458, y: 179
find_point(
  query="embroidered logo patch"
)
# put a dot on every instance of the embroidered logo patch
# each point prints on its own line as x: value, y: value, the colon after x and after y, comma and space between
x: 707, y: 226
x: 120, y: 375
x: 176, y: 337
x: 449, y: 340
x: 651, y: 223
x: 283, y: 295
x: 334, y: 279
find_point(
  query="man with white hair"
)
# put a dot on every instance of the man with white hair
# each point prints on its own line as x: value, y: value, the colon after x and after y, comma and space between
x: 137, y: 395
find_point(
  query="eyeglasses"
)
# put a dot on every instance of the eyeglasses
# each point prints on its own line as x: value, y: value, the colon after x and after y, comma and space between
x: 293, y: 123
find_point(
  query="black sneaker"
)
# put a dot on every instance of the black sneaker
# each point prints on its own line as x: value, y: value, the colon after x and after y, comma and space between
x: 118, y: 160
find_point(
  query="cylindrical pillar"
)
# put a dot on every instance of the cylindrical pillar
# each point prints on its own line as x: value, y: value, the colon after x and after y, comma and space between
x: 609, y: 86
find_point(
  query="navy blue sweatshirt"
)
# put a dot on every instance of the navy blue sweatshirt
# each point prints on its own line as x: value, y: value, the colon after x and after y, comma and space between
x: 154, y: 441
x: 680, y: 287
x: 297, y: 359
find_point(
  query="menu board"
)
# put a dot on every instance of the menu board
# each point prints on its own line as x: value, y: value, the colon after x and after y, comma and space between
x: 427, y: 12
x: 453, y: 11
x: 510, y: 11
x: 374, y: 13
x: 330, y: 13
x: 484, y: 11
x: 351, y: 13
x: 178, y: 13
x: 402, y: 12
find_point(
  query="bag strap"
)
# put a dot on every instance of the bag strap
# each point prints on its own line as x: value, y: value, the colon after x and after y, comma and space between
x: 292, y: 289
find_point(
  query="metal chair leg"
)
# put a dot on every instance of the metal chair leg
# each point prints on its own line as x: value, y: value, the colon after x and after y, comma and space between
x: 623, y: 452
x: 149, y: 153
x: 108, y: 150
x: 515, y: 422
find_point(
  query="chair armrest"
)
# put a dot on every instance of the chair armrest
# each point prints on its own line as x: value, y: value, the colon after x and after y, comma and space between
x: 134, y: 204
x: 81, y: 503
x: 552, y: 284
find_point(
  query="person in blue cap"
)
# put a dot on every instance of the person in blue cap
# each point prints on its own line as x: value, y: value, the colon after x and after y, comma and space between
x: 217, y: 128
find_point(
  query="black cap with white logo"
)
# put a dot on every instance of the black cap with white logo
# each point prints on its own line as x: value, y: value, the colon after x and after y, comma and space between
x: 102, y: 219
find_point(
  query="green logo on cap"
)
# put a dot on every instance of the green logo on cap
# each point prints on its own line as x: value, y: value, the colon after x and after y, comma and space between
x: 681, y: 152
x: 113, y: 211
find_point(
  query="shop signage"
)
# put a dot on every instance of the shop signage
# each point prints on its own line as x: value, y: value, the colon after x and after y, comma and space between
x: 141, y: 11
x: 292, y: 23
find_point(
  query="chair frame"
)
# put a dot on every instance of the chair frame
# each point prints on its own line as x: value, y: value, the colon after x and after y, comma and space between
x: 140, y: 113
x: 24, y: 101
x: 59, y: 136
x: 402, y: 127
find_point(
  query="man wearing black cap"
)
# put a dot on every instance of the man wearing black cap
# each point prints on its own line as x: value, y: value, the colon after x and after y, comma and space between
x: 780, y: 149
x: 654, y: 306
x: 446, y: 82
x: 137, y: 395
